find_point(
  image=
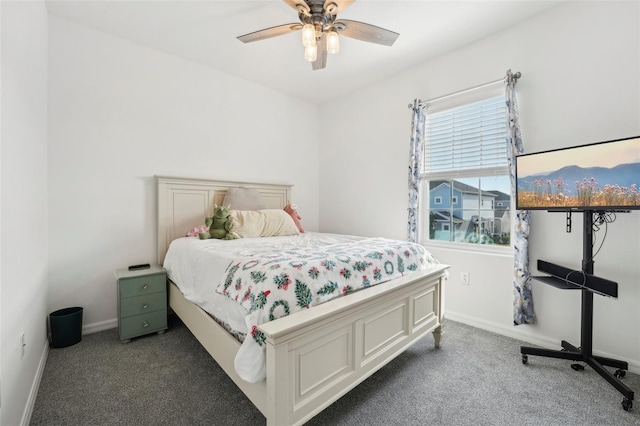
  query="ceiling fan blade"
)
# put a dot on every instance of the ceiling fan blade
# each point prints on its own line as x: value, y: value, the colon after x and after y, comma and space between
x: 321, y: 60
x: 365, y: 32
x: 269, y: 32
x: 342, y: 5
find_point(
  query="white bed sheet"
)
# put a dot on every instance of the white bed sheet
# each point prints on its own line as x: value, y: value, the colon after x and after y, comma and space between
x: 198, y: 266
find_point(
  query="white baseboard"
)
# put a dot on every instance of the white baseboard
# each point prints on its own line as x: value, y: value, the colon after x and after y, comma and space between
x: 509, y: 331
x: 100, y: 326
x: 33, y: 393
x: 519, y: 334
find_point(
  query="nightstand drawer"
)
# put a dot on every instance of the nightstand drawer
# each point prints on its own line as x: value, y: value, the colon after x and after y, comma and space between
x: 142, y: 304
x: 142, y: 324
x: 138, y: 286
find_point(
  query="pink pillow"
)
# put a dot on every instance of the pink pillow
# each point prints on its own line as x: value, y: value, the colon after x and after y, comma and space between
x: 197, y: 230
x: 291, y: 209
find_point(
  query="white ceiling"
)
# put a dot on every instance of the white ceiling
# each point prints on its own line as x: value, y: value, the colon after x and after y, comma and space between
x: 205, y: 32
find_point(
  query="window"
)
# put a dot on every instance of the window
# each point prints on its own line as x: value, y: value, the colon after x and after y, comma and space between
x: 465, y: 180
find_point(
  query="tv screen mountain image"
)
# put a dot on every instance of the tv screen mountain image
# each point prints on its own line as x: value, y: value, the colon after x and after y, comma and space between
x: 597, y: 176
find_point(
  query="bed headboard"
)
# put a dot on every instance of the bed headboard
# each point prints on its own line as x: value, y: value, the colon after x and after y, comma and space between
x: 184, y: 203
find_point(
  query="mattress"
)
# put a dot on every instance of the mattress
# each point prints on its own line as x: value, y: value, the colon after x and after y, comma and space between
x: 249, y: 281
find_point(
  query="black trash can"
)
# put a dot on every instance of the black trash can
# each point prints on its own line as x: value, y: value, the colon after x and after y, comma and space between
x: 65, y: 326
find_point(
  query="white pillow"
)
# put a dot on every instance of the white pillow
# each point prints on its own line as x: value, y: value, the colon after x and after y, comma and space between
x: 262, y: 223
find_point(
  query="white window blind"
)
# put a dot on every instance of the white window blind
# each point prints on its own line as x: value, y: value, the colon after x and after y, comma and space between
x: 465, y: 139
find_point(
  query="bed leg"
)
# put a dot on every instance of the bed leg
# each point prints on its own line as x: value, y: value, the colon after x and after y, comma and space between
x: 437, y: 335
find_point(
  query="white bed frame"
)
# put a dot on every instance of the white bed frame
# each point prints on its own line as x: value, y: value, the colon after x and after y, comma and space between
x: 317, y: 355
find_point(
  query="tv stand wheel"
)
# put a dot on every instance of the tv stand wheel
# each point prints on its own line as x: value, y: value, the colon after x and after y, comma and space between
x: 577, y: 367
x: 525, y: 359
x: 627, y: 404
x: 620, y: 373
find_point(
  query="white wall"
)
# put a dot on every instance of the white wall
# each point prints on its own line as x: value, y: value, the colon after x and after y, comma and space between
x: 121, y: 113
x: 23, y: 165
x: 580, y: 65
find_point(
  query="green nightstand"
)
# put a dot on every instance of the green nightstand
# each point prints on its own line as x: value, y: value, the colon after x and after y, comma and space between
x: 142, y: 302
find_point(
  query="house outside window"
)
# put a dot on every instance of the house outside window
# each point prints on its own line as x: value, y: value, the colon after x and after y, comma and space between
x: 465, y: 184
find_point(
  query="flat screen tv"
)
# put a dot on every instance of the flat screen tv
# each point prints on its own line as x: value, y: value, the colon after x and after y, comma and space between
x: 598, y: 176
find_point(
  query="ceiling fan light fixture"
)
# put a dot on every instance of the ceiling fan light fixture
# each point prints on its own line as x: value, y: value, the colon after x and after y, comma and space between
x: 311, y: 53
x: 308, y: 35
x: 333, y: 42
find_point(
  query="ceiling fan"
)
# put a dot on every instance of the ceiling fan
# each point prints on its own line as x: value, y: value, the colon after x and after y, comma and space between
x: 320, y: 29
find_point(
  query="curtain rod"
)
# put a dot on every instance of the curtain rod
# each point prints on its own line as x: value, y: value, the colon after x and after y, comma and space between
x: 418, y: 102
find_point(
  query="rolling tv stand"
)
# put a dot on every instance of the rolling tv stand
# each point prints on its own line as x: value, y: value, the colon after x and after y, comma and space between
x: 588, y: 284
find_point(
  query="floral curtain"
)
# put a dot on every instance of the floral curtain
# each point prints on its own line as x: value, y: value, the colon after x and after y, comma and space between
x: 523, y: 312
x: 415, y: 156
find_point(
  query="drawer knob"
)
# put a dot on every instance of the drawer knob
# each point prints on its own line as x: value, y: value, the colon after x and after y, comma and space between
x: 145, y: 306
x: 145, y: 287
x: 145, y: 324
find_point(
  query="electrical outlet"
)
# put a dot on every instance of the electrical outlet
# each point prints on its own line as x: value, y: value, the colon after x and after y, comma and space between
x: 22, y: 345
x: 464, y: 278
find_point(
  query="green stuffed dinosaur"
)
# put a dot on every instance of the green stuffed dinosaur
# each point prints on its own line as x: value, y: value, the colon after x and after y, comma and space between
x: 219, y: 225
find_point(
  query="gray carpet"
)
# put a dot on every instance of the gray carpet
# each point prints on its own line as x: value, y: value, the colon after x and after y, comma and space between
x: 476, y: 378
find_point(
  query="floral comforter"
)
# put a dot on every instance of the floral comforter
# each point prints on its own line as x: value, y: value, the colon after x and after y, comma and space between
x: 270, y: 286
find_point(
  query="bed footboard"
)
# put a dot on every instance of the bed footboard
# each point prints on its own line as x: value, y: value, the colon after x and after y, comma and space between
x: 316, y: 356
